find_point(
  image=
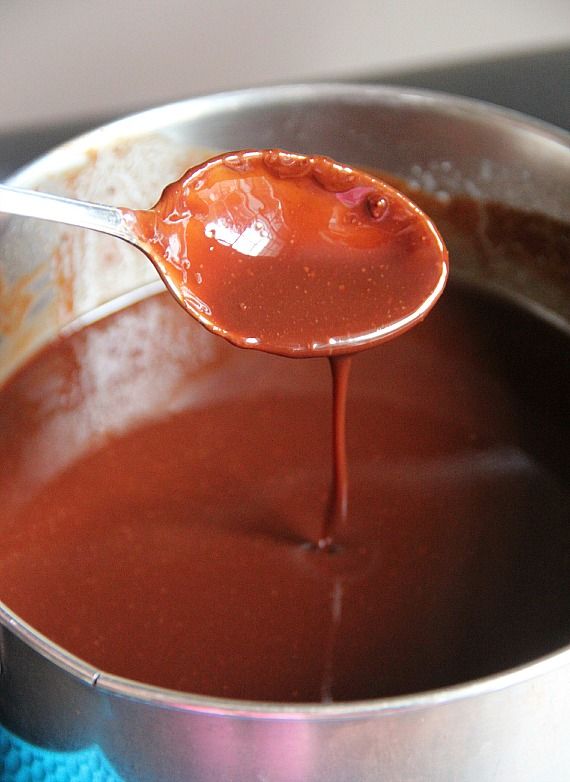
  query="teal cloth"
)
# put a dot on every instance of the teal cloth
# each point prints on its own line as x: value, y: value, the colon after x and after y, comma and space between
x: 23, y: 762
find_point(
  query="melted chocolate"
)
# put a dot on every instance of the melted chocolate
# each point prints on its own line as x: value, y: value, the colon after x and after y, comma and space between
x: 294, y: 255
x: 338, y: 503
x: 157, y: 487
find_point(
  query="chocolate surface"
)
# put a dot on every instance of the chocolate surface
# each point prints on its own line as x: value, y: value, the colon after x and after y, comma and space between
x: 158, y: 490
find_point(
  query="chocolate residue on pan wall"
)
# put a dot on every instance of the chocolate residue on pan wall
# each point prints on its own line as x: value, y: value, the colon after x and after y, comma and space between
x: 16, y: 300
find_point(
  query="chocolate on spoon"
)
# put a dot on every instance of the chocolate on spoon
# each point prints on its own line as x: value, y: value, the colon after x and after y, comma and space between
x: 290, y: 254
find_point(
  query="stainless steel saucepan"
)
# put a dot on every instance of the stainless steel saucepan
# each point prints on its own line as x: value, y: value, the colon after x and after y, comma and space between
x: 511, y: 727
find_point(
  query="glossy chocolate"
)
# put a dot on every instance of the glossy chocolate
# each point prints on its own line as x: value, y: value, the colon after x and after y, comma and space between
x: 294, y: 255
x: 158, y: 487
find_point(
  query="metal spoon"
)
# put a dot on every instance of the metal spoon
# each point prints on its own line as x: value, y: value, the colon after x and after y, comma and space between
x: 285, y: 253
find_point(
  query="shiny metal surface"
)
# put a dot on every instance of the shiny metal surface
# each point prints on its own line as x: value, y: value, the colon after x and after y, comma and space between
x: 29, y: 203
x: 513, y: 726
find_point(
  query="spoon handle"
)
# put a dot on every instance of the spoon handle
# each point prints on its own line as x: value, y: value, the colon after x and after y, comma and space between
x: 28, y: 203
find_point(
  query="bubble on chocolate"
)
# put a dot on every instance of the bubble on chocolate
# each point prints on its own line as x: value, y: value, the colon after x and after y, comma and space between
x: 287, y: 165
x: 237, y: 161
x: 333, y: 176
x: 377, y: 206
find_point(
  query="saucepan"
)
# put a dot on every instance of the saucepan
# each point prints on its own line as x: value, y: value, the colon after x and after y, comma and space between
x: 512, y: 725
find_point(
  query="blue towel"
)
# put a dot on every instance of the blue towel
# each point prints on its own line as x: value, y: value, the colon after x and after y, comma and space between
x: 23, y: 762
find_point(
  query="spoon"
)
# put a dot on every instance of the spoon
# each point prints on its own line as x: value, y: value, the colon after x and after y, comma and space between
x: 290, y: 254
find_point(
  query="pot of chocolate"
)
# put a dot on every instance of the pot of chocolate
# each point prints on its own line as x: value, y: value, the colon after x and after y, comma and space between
x: 512, y: 725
